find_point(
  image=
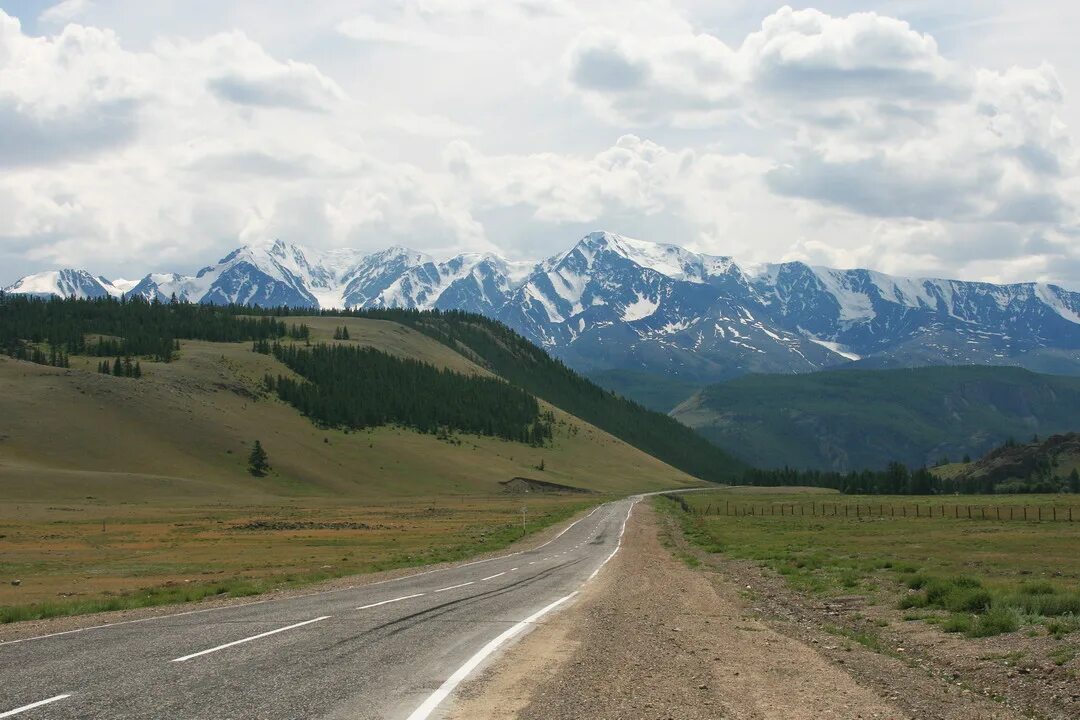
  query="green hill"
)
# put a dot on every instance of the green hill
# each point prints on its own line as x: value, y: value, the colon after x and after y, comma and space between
x: 653, y: 390
x: 854, y: 419
x: 184, y: 427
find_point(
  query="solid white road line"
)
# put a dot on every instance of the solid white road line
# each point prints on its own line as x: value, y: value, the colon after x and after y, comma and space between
x: 433, y: 700
x: 491, y: 577
x: 249, y: 639
x: 31, y: 706
x: 617, y: 544
x: 387, y: 602
x: 454, y: 587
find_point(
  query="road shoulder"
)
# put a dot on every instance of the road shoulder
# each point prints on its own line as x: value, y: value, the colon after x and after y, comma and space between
x: 653, y: 638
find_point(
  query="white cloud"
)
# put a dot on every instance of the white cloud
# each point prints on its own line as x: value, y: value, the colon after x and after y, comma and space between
x: 158, y: 137
x: 64, y: 12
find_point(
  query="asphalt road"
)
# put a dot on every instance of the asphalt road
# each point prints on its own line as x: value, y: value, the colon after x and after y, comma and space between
x: 395, y: 649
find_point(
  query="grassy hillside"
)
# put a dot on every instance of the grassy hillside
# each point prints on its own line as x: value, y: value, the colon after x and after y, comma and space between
x: 117, y: 492
x: 507, y: 354
x: 185, y: 428
x: 854, y: 419
x: 656, y: 392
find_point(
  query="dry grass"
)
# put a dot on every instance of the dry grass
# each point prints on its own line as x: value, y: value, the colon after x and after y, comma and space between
x: 162, y: 461
x: 106, y: 556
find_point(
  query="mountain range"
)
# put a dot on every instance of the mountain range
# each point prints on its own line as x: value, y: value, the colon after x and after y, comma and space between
x: 612, y: 303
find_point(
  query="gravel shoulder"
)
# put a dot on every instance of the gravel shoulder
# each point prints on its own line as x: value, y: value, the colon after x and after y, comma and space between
x: 652, y: 638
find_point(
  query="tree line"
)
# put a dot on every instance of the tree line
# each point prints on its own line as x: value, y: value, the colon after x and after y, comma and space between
x: 898, y: 479
x: 358, y: 387
x: 110, y: 327
x: 125, y: 368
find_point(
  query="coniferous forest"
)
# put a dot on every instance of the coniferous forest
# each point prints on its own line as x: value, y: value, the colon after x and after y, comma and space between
x: 143, y: 328
x: 127, y: 327
x: 356, y: 387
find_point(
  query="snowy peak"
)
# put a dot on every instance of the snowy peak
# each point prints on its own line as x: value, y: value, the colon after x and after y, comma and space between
x: 64, y: 283
x: 614, y: 302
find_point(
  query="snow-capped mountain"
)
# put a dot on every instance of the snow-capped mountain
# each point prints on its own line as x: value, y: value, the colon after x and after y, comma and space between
x: 65, y: 283
x: 611, y: 302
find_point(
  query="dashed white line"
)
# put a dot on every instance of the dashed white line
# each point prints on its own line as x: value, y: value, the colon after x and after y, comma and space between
x: 491, y: 577
x: 31, y: 706
x: 249, y: 639
x: 387, y: 602
x: 454, y: 587
x: 433, y: 700
x: 511, y: 570
x: 295, y: 597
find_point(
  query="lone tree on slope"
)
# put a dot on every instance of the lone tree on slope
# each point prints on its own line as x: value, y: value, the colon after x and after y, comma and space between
x: 258, y: 462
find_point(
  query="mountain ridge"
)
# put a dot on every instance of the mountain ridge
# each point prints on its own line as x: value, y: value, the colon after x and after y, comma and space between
x: 615, y: 303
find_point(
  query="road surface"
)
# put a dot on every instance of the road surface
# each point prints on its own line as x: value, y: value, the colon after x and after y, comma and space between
x: 395, y: 649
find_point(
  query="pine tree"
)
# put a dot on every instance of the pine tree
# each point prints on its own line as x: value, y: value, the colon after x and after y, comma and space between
x: 118, y: 368
x: 337, y: 333
x: 344, y: 332
x: 137, y: 372
x: 258, y: 462
x: 129, y: 369
x: 1074, y: 481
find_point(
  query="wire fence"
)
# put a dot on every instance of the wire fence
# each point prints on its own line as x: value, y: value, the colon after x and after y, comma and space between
x: 1051, y: 513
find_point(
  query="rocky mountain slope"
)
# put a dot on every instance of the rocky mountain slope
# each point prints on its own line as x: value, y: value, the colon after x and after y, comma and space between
x: 614, y: 303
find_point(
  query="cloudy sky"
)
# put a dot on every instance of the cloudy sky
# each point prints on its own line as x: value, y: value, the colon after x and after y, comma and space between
x: 922, y: 138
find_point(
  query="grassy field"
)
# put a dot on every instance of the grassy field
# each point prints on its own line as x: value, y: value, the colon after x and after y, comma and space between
x: 980, y: 577
x: 161, y: 461
x: 92, y: 555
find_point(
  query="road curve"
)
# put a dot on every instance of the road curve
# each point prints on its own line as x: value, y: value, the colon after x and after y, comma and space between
x: 395, y: 649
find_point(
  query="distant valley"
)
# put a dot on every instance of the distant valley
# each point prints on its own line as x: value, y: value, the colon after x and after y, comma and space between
x: 847, y: 420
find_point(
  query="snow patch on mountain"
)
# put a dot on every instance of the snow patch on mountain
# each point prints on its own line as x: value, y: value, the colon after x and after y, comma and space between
x: 640, y: 309
x: 834, y: 347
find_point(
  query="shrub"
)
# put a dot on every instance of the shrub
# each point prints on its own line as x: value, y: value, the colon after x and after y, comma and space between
x: 958, y: 623
x: 995, y: 621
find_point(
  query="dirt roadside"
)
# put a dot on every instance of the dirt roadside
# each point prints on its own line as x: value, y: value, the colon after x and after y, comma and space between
x: 652, y: 638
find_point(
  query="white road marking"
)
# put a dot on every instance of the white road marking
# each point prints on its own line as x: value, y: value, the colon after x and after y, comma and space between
x: 454, y: 587
x: 532, y: 562
x: 491, y: 577
x: 249, y: 639
x: 433, y: 700
x: 617, y: 544
x: 296, y: 597
x: 538, y: 547
x: 31, y: 706
x: 387, y: 602
x: 511, y: 570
